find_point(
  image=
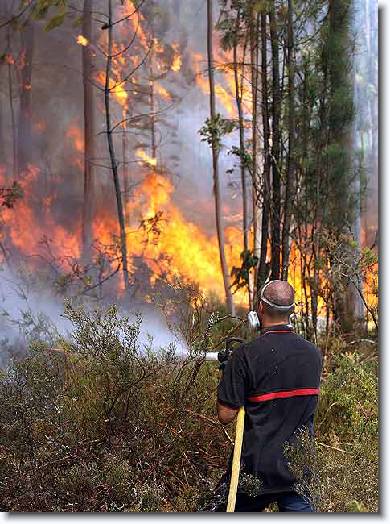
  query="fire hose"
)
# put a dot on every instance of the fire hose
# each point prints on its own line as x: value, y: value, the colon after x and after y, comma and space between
x: 236, y: 461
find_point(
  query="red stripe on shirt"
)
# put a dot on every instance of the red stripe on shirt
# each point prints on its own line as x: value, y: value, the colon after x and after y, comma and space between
x: 284, y: 394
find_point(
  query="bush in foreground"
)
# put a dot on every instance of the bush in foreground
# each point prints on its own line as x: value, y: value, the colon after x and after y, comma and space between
x: 105, y: 423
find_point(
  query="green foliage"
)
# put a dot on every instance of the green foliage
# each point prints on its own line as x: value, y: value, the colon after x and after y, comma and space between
x: 215, y: 128
x: 343, y: 461
x: 105, y: 423
x: 241, y: 274
x: 41, y: 10
x: 245, y: 156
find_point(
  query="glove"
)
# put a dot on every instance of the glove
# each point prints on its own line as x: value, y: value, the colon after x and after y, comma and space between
x: 224, y: 354
x: 223, y: 357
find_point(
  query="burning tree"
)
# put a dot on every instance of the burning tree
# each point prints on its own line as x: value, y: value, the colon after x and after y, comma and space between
x: 280, y: 131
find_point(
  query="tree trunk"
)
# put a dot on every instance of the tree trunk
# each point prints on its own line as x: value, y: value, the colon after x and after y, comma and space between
x: 88, y: 204
x: 24, y: 142
x: 276, y: 189
x: 114, y: 164
x: 238, y: 83
x: 254, y: 54
x: 240, y: 113
x: 290, y: 190
x: 214, y: 149
x: 340, y: 120
x: 266, y: 182
x: 12, y: 109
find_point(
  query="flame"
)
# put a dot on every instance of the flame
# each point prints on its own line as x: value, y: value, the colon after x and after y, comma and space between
x: 9, y: 59
x: 146, y: 158
x: 29, y: 222
x: 177, y: 61
x: 225, y: 98
x: 74, y: 133
x: 81, y: 40
x: 116, y: 87
x: 162, y: 91
x: 168, y: 243
x: 187, y: 252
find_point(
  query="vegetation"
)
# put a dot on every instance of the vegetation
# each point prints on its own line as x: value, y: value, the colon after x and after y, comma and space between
x: 104, y: 422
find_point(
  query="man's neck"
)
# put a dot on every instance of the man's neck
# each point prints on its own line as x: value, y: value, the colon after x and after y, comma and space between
x: 270, y: 323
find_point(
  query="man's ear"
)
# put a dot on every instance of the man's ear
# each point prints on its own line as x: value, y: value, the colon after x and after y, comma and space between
x: 261, y: 309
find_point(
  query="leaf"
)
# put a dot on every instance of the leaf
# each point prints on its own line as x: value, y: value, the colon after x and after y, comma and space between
x: 56, y: 21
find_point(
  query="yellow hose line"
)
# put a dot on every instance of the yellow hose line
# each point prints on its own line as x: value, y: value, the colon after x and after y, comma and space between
x: 236, y: 461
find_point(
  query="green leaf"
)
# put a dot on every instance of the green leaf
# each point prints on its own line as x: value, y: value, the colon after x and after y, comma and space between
x: 56, y: 21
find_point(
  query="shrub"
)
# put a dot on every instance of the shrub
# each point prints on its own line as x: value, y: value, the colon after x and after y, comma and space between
x: 106, y: 423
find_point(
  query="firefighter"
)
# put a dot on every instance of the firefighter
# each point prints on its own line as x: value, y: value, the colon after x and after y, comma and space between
x: 276, y: 378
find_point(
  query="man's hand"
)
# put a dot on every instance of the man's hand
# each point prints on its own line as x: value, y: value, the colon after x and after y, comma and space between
x: 223, y: 357
x: 225, y: 413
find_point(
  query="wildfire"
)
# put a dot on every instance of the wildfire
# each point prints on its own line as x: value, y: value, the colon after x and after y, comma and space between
x: 32, y: 220
x: 74, y: 133
x: 116, y: 87
x: 162, y: 91
x: 178, y: 247
x: 81, y: 40
x: 177, y: 59
x: 150, y: 161
x: 225, y: 98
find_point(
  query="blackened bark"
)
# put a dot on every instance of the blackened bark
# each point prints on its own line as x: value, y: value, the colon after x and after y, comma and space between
x: 114, y: 164
x: 240, y: 114
x: 266, y: 182
x: 24, y: 141
x: 276, y: 185
x: 88, y: 204
x: 290, y: 189
x: 214, y: 149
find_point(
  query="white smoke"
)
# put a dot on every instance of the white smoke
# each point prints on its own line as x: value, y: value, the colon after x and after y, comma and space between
x: 29, y: 311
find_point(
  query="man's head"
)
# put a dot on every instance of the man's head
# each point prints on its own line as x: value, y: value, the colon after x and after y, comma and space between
x: 276, y: 303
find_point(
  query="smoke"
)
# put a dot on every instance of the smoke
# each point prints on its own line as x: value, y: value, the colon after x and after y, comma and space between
x: 30, y: 311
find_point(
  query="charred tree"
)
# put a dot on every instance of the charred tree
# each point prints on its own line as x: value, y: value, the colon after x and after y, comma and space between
x: 214, y: 150
x: 290, y: 189
x: 275, y: 151
x: 266, y: 182
x: 87, y: 62
x: 24, y: 136
x: 238, y: 80
x: 256, y: 193
x: 111, y: 149
x: 11, y: 106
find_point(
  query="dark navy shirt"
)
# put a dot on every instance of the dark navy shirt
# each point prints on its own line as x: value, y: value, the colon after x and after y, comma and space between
x: 278, y: 360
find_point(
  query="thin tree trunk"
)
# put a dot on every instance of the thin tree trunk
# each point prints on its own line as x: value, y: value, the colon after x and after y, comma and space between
x: 114, y: 164
x: 240, y: 113
x: 12, y: 109
x: 152, y: 102
x: 290, y: 190
x: 266, y: 183
x: 238, y: 83
x: 88, y: 204
x: 214, y: 149
x: 276, y: 189
x: 254, y: 54
x: 125, y: 171
x: 24, y: 142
